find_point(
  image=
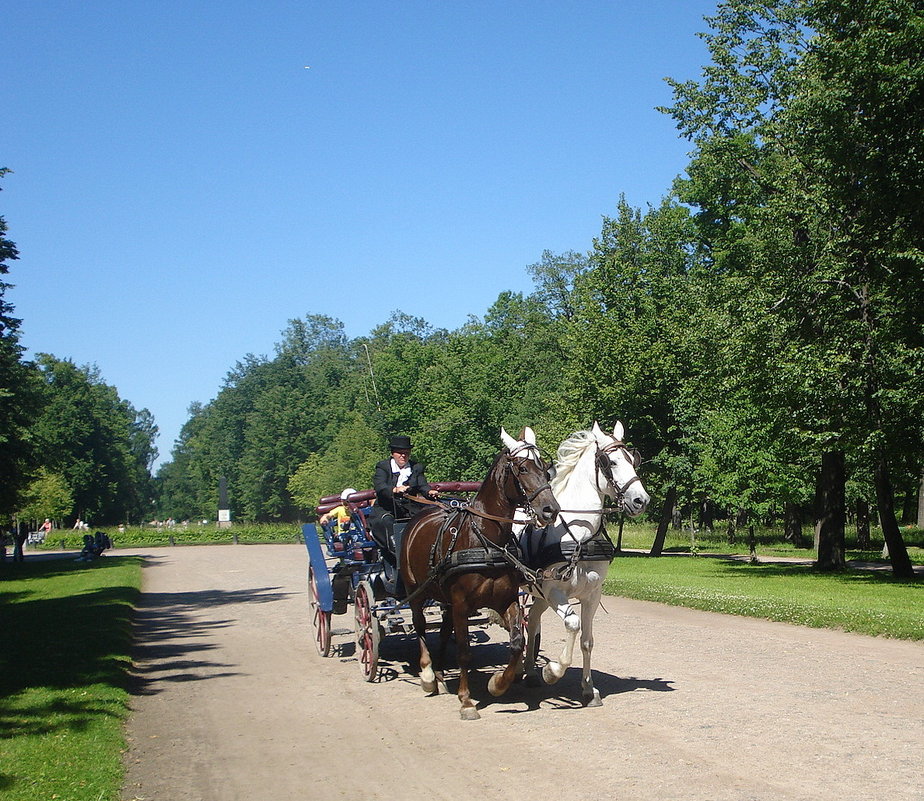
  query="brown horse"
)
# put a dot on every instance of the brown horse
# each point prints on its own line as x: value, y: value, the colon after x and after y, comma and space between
x: 457, y: 556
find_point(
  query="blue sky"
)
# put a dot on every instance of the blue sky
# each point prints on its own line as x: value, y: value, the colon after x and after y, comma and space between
x: 183, y: 185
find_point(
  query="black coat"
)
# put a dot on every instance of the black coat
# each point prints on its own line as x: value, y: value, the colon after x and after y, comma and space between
x: 384, y: 481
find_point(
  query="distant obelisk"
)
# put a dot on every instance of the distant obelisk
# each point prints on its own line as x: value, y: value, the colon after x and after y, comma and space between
x: 224, y: 511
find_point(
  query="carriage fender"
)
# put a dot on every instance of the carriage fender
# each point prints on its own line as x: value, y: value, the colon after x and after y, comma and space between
x: 319, y: 566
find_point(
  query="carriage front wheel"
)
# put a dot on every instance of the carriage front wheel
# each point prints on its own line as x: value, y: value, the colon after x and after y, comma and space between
x: 367, y: 631
x: 320, y: 619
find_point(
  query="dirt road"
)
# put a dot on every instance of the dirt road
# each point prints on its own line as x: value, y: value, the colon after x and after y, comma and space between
x: 233, y: 703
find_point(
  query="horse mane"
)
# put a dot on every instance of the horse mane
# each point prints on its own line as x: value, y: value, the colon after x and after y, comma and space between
x: 569, y: 454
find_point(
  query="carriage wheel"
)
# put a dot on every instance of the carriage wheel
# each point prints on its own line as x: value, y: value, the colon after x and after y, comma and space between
x: 368, y: 632
x: 320, y: 619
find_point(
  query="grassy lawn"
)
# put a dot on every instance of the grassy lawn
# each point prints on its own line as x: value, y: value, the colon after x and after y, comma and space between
x: 857, y: 600
x: 66, y: 638
x: 768, y: 542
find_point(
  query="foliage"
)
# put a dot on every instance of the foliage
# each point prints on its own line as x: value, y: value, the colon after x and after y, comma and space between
x: 807, y: 182
x: 98, y: 442
x: 48, y: 496
x: 18, y: 399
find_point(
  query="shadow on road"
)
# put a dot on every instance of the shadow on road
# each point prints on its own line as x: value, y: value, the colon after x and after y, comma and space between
x: 172, y: 631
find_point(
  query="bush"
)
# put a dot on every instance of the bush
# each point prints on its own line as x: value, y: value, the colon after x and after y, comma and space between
x: 151, y: 537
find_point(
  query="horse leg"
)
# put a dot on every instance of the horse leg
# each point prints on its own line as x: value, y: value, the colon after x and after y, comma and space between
x: 533, y: 627
x: 590, y: 695
x: 427, y: 676
x: 500, y: 682
x: 445, y: 633
x: 558, y: 598
x: 464, y: 656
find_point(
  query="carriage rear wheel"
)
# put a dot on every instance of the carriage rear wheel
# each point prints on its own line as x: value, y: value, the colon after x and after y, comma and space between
x: 368, y: 632
x: 320, y: 619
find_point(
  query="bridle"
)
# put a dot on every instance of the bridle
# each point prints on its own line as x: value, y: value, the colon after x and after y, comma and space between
x: 603, y: 466
x: 515, y: 460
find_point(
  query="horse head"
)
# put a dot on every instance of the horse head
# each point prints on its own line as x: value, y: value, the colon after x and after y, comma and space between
x: 526, y: 481
x: 616, y: 466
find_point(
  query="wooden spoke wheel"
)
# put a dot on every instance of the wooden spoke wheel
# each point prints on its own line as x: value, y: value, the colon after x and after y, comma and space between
x: 320, y: 619
x: 368, y: 632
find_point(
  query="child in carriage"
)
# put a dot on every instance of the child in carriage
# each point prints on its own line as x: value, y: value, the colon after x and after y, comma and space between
x: 341, y: 514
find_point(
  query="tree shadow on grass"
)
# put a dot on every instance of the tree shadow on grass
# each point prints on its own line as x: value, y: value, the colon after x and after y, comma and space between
x: 851, y: 575
x: 59, y: 639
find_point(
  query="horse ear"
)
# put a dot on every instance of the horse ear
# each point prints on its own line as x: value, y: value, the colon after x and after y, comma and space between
x: 618, y: 431
x: 596, y: 430
x: 508, y: 441
x: 529, y: 436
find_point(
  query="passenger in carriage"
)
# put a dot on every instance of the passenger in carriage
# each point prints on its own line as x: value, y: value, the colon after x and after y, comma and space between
x: 339, y: 513
x: 396, y: 481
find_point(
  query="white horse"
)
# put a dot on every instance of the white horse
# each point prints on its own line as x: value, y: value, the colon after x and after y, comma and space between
x: 590, y: 466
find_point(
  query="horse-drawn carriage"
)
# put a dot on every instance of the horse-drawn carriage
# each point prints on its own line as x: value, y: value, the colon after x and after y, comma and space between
x: 467, y: 556
x: 348, y: 568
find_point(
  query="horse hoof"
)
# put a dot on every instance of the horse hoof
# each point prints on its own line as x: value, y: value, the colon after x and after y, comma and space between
x: 593, y: 700
x: 548, y: 675
x: 532, y: 680
x: 494, y: 684
x: 469, y: 713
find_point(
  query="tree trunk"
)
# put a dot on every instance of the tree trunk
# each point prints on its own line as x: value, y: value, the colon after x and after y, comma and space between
x: 792, y: 525
x: 20, y: 535
x: 921, y: 503
x: 706, y: 515
x: 732, y: 528
x: 667, y: 514
x: 898, y: 553
x: 862, y: 524
x: 831, y: 512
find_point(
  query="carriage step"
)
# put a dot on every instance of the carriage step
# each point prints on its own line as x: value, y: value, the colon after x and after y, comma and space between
x: 341, y: 631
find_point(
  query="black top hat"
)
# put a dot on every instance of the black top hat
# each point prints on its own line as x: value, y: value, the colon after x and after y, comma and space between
x: 400, y: 443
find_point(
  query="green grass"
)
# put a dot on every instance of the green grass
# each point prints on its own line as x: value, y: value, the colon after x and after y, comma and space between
x: 859, y: 601
x: 66, y: 639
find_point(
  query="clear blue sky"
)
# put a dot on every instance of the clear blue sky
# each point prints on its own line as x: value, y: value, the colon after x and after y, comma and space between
x: 183, y: 185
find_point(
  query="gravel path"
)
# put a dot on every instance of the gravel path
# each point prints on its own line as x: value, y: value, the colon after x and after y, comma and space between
x: 233, y: 702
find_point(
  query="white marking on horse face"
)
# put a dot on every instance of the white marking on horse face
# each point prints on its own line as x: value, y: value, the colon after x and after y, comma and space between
x: 529, y: 438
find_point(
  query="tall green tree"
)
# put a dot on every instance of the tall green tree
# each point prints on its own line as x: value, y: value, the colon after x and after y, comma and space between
x: 807, y: 181
x: 92, y: 437
x: 18, y: 386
